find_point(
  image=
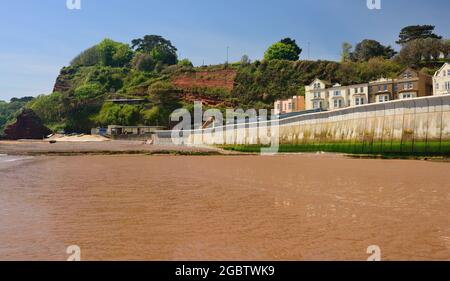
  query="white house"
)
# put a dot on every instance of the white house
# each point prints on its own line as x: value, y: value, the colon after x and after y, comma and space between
x: 359, y: 94
x: 338, y: 97
x: 319, y: 94
x: 316, y: 95
x: 441, y: 81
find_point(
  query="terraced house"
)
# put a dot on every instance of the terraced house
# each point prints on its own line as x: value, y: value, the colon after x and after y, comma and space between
x: 294, y: 104
x: 316, y: 95
x: 319, y: 95
x: 410, y: 83
x: 441, y: 81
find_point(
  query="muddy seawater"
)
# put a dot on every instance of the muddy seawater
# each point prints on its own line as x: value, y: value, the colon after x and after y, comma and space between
x: 286, y: 207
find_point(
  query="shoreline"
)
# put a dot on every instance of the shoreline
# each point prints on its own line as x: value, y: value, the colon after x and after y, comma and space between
x: 131, y: 148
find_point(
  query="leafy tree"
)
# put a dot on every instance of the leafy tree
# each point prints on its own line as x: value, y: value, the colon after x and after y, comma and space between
x: 88, y: 91
x: 432, y: 48
x: 48, y: 107
x: 125, y: 115
x: 143, y: 62
x: 411, y: 53
x: 281, y: 51
x: 426, y: 49
x: 160, y: 48
x: 88, y: 57
x: 414, y: 32
x: 245, y: 60
x: 113, y: 53
x: 346, y: 52
x: 291, y: 42
x: 185, y: 63
x: 367, y: 49
x: 151, y: 117
x: 446, y: 48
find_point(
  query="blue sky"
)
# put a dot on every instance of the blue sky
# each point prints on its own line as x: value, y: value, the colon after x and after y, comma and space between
x: 38, y: 37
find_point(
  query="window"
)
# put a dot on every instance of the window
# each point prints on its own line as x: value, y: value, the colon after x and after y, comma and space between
x: 379, y: 88
x: 407, y: 96
x: 359, y: 101
x: 356, y: 90
x: 385, y: 88
x: 317, y: 95
x: 317, y: 104
x: 383, y: 98
x: 361, y: 90
x: 290, y: 106
x: 447, y: 85
x: 337, y: 93
x: 437, y: 86
x: 278, y: 106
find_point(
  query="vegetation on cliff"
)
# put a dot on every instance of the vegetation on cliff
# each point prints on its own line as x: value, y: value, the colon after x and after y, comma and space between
x: 149, y: 69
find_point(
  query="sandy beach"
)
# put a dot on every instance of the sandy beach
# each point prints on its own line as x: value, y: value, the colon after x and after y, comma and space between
x: 286, y: 207
x: 44, y: 147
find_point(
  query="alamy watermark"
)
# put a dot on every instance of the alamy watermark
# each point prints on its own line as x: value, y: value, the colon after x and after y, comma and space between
x: 74, y: 253
x: 374, y: 4
x: 73, y: 4
x: 250, y: 127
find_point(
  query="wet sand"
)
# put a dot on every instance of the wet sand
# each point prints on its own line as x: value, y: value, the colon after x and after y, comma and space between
x: 297, y: 207
x: 33, y: 147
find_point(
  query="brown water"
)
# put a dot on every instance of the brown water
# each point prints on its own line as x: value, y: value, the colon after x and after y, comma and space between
x: 305, y: 207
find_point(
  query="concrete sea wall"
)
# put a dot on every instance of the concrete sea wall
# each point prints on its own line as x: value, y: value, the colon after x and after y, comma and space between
x: 421, y: 124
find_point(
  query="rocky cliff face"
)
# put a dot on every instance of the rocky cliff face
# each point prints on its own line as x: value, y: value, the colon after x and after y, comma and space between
x: 27, y: 126
x: 207, y: 79
x: 64, y: 81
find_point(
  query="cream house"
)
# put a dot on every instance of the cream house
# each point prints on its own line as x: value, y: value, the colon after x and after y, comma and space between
x: 316, y: 95
x: 441, y: 81
x: 338, y: 97
x: 319, y: 95
x: 359, y: 94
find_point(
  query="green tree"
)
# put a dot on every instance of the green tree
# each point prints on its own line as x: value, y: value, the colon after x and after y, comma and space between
x: 160, y: 48
x: 445, y: 48
x: 432, y: 48
x: 143, y: 62
x: 367, y: 49
x: 185, y: 63
x: 414, y: 32
x: 89, y: 57
x: 48, y: 107
x: 412, y: 53
x: 346, y: 52
x: 113, y: 53
x: 87, y: 91
x: 291, y: 42
x: 281, y: 51
x: 245, y: 60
